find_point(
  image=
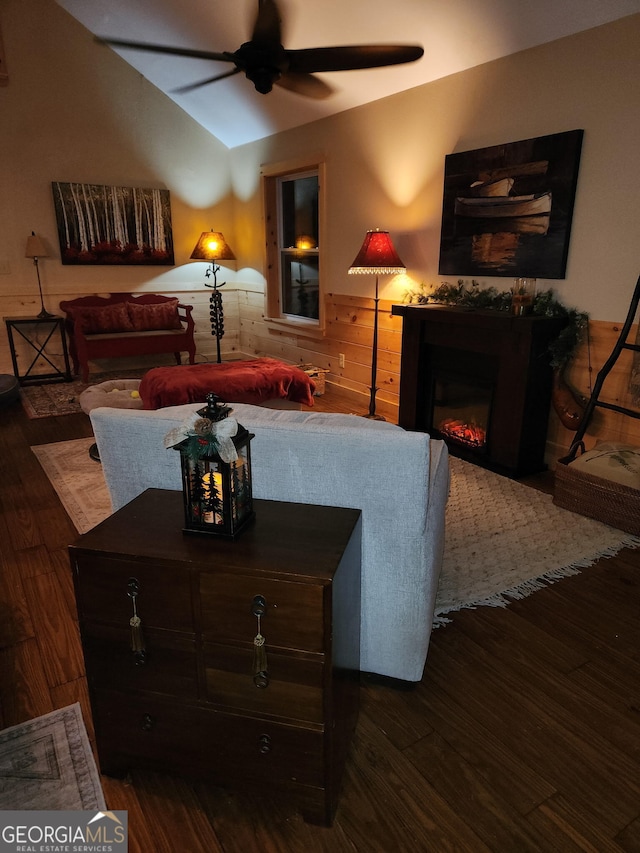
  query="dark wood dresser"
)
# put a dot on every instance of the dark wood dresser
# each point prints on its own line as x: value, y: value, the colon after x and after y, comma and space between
x: 189, y: 691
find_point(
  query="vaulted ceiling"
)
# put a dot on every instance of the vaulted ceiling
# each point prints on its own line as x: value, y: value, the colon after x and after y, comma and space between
x: 455, y: 34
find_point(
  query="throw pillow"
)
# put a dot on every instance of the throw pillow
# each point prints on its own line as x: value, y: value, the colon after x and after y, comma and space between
x: 612, y: 461
x: 102, y: 319
x: 154, y: 316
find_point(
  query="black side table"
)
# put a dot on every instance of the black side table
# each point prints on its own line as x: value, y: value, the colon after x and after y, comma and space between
x: 30, y: 330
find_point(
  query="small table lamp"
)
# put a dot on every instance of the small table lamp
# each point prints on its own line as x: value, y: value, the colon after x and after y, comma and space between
x: 36, y: 249
x: 213, y: 247
x: 377, y: 255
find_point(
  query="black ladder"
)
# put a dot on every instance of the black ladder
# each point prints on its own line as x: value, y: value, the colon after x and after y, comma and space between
x: 621, y: 344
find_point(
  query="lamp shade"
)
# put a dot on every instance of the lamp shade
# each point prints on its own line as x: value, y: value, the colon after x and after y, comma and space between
x: 35, y: 247
x: 212, y: 247
x: 377, y: 255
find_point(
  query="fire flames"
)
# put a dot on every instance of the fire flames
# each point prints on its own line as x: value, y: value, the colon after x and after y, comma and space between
x: 470, y: 434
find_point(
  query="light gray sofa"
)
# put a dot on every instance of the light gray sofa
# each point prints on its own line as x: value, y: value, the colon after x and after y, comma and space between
x: 399, y: 480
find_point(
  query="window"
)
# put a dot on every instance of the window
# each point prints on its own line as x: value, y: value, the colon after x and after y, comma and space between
x: 293, y: 205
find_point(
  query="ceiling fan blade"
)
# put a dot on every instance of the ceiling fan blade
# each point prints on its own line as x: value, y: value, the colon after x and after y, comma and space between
x: 349, y: 58
x: 174, y: 51
x: 268, y: 24
x: 182, y: 90
x: 305, y: 84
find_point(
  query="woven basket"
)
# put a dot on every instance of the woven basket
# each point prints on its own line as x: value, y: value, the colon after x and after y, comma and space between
x: 317, y: 374
x: 606, y: 501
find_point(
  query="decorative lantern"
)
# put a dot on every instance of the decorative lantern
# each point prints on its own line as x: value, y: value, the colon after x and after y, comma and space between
x: 215, y: 456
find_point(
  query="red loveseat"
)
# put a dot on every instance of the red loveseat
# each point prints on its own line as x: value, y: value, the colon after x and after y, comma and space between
x: 123, y: 325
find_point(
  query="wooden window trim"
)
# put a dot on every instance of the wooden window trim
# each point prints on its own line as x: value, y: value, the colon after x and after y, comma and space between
x: 273, y: 307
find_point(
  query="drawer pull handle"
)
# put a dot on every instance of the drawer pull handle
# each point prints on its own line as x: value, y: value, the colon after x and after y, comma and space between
x: 148, y: 723
x: 135, y: 623
x: 259, y: 605
x: 260, y: 671
x: 264, y: 744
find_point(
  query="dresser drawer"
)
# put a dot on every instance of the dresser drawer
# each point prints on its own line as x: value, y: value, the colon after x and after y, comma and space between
x: 203, y: 743
x: 163, y: 595
x: 294, y: 615
x: 293, y: 689
x: 169, y: 664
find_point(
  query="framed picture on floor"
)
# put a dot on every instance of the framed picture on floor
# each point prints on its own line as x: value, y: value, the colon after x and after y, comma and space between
x: 507, y: 209
x: 100, y: 224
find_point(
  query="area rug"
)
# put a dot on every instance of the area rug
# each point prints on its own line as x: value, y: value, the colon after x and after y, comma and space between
x: 77, y: 479
x: 62, y: 398
x: 47, y: 764
x: 504, y: 540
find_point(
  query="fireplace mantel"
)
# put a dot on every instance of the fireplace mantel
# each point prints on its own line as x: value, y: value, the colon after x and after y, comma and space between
x: 513, y: 349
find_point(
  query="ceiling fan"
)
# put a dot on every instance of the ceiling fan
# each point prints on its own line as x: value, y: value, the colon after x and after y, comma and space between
x: 265, y: 61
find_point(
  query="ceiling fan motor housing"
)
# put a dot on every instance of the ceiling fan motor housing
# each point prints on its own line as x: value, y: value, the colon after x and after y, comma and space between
x: 263, y: 64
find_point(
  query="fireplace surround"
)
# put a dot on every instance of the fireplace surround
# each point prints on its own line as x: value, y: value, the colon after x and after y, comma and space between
x: 481, y: 380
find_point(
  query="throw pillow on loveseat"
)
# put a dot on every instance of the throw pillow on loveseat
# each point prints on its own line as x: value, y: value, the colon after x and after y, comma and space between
x: 155, y: 316
x: 102, y: 319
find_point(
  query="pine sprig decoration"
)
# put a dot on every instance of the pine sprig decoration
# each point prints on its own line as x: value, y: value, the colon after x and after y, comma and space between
x: 545, y: 304
x: 563, y: 348
x: 476, y: 297
x: 201, y: 440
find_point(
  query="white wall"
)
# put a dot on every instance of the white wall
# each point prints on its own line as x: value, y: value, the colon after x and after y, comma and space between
x: 74, y: 111
x: 385, y: 162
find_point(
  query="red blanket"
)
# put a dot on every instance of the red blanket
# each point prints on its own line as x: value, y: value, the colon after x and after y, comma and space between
x: 252, y: 381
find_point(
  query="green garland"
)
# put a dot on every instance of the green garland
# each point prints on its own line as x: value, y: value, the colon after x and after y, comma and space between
x: 545, y: 304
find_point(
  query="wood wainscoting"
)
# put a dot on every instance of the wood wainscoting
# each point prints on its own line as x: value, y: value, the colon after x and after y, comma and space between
x: 28, y: 306
x: 581, y: 376
x: 350, y: 330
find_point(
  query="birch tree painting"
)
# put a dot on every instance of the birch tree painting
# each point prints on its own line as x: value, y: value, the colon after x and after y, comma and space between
x: 113, y: 225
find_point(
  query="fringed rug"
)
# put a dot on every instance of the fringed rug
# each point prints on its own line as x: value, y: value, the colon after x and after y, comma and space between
x: 47, y: 764
x: 504, y: 540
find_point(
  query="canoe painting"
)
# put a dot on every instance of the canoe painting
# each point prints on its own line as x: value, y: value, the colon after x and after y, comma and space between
x: 493, y: 207
x: 507, y: 208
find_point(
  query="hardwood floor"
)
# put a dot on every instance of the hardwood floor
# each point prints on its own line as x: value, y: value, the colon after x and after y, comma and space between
x: 524, y: 734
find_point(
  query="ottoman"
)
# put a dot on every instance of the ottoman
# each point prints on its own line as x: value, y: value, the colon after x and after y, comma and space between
x: 115, y: 394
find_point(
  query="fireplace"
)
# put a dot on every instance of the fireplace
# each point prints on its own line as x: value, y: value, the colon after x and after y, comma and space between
x: 459, y: 396
x: 480, y: 380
